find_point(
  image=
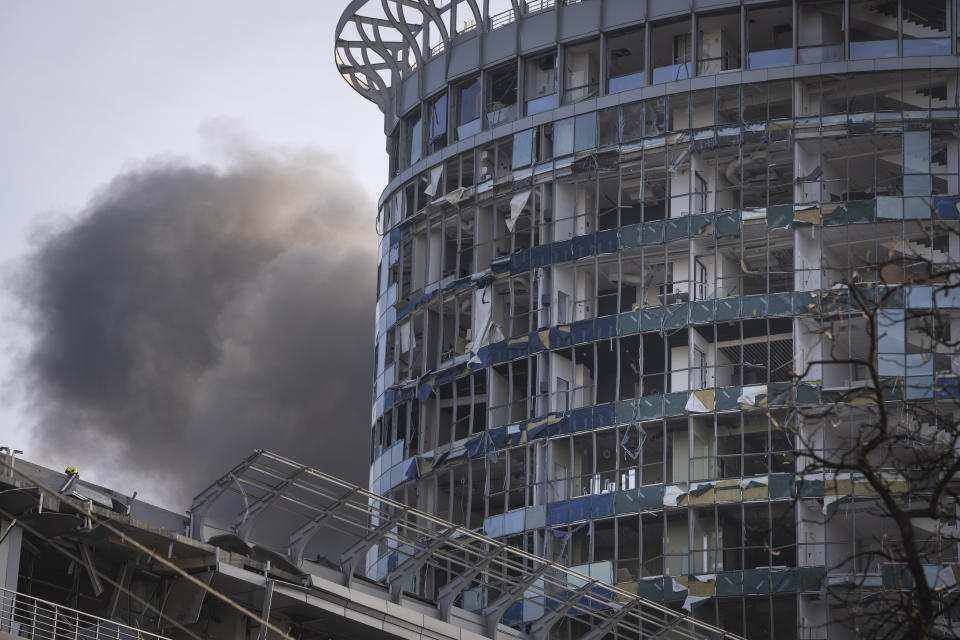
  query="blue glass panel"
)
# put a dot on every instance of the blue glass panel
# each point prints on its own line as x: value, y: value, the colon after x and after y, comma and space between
x: 945, y: 207
x: 948, y: 387
x: 469, y: 107
x: 468, y: 129
x: 926, y: 47
x: 580, y: 508
x: 601, y: 505
x: 584, y: 246
x: 916, y: 207
x: 604, y: 414
x: 916, y: 154
x: 416, y: 136
x: 607, y: 241
x: 917, y: 387
x: 920, y: 297
x: 873, y: 49
x: 563, y: 132
x: 558, y: 513
x: 585, y: 132
x: 540, y: 256
x: 522, y: 149
x: 520, y: 262
x: 541, y: 104
x: 513, y: 614
x: 890, y: 364
x: 625, y: 83
x: 825, y: 53
x: 513, y: 522
x: 770, y: 58
x: 606, y: 327
x: 671, y: 72
x: 583, y: 331
x: 493, y: 526
x: 561, y: 251
x: 919, y: 364
x: 581, y: 419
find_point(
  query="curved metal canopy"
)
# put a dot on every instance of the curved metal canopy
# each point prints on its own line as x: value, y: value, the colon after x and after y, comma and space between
x: 379, y: 41
x: 437, y: 558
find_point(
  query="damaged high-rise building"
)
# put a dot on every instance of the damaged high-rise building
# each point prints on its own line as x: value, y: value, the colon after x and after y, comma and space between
x: 629, y: 250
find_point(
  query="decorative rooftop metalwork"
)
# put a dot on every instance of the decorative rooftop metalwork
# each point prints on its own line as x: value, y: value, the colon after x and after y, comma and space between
x: 376, y: 43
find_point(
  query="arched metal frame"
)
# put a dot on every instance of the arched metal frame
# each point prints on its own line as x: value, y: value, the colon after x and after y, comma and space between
x: 393, y: 36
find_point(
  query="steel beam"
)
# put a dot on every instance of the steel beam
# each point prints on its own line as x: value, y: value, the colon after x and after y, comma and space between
x: 495, y: 611
x: 355, y: 554
x: 414, y: 562
x: 265, y: 609
x: 303, y: 535
x: 95, y: 581
x: 540, y: 629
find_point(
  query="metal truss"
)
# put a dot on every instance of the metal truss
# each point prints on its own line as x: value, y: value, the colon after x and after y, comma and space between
x: 378, y: 43
x: 423, y: 554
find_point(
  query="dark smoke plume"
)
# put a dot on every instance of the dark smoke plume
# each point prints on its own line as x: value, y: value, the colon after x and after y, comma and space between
x: 189, y: 315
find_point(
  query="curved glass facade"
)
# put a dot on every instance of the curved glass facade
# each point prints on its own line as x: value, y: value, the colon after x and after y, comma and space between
x: 604, y: 263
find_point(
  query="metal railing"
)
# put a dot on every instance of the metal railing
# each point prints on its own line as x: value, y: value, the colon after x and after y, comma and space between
x: 501, y: 19
x: 28, y: 617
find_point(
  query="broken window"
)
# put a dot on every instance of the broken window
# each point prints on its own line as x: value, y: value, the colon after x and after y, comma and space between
x: 437, y: 123
x: 820, y: 34
x: 676, y: 542
x: 628, y: 549
x: 496, y: 484
x: 718, y: 42
x: 460, y: 494
x: 609, y: 191
x: 501, y: 94
x: 655, y: 117
x: 559, y: 471
x: 705, y: 554
x: 769, y: 36
x: 581, y: 71
x: 672, y: 51
x: 702, y: 109
x: 609, y: 126
x: 413, y: 137
x: 574, y: 206
x: 583, y: 451
x: 540, y: 90
x: 652, y: 539
x: 655, y: 189
x: 821, y: 96
x: 517, y: 481
x: 625, y: 61
x: 729, y: 446
x: 873, y: 29
x: 632, y: 122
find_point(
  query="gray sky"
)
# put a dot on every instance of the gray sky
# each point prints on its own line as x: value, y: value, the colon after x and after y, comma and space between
x: 95, y: 88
